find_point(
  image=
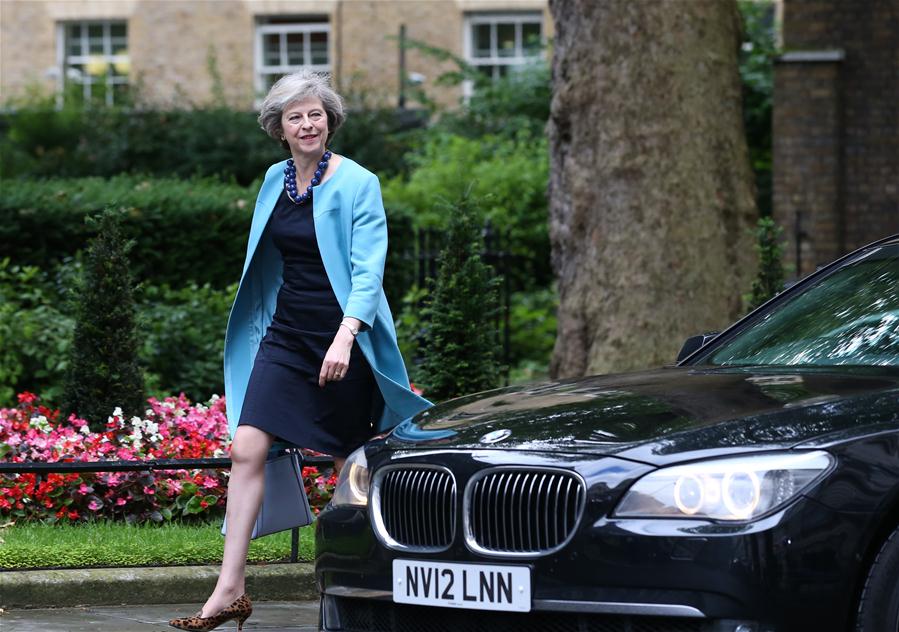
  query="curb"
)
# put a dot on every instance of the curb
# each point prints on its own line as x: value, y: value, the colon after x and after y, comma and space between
x: 147, y: 585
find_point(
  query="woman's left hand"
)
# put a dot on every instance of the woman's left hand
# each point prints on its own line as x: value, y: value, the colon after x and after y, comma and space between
x: 337, y: 360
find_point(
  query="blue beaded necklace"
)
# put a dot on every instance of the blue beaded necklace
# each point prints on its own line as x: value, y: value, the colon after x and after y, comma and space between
x: 290, y: 179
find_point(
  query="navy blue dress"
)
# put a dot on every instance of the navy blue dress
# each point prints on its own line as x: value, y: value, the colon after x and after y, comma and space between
x: 283, y: 396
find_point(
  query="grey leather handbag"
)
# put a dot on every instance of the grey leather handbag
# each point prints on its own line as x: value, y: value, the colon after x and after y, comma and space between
x: 284, y: 502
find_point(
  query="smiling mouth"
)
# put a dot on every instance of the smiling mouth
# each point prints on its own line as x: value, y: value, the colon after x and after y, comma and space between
x: 309, y: 137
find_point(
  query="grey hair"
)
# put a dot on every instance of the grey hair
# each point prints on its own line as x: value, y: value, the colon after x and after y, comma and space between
x: 296, y: 86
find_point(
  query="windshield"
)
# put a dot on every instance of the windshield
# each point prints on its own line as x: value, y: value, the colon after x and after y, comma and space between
x: 849, y: 317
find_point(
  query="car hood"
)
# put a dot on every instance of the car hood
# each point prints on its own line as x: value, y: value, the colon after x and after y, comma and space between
x: 665, y: 415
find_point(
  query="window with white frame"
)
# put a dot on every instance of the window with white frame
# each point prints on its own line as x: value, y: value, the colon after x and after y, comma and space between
x: 93, y: 57
x: 496, y: 43
x: 285, y: 44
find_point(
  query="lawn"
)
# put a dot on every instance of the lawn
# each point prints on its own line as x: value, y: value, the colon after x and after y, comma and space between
x: 35, y: 545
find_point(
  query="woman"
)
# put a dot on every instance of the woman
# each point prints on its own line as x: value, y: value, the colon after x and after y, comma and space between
x: 328, y: 373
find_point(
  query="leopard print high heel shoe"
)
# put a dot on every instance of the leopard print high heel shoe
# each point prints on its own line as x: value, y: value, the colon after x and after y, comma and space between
x: 240, y: 609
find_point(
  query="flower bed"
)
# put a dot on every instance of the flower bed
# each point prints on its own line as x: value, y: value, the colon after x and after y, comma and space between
x: 170, y: 429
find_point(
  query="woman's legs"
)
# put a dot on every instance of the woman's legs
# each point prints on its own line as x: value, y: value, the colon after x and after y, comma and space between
x: 245, y: 487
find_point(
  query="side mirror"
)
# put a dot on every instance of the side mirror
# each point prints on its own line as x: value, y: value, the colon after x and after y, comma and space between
x: 693, y: 343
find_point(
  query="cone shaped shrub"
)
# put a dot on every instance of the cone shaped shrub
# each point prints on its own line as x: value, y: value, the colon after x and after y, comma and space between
x: 103, y: 368
x: 770, y: 279
x: 461, y: 347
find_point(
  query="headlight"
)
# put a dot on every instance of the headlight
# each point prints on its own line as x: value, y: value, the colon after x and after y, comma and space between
x: 352, y: 484
x: 742, y: 488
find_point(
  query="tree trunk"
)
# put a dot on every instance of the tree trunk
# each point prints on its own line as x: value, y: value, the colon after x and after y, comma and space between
x: 651, y: 193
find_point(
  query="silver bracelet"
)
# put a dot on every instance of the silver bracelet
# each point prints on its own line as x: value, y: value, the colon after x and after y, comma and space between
x: 352, y: 331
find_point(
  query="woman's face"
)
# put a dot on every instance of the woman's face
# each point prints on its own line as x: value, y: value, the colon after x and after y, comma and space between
x: 305, y: 125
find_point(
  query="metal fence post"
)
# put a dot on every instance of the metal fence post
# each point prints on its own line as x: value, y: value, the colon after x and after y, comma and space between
x: 294, y: 544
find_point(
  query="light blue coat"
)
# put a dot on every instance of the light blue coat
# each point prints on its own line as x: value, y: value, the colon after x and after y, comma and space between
x: 351, y: 229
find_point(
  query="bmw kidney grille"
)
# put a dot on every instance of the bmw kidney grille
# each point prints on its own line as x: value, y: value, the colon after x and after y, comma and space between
x: 522, y: 511
x: 506, y: 511
x: 415, y: 507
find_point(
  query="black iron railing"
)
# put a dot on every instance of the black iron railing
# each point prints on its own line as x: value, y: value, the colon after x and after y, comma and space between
x: 149, y: 465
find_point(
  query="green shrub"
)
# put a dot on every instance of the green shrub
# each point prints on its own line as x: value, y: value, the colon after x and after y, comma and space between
x: 44, y: 141
x: 770, y: 279
x: 183, y: 339
x: 507, y: 176
x: 757, y: 73
x: 103, y: 370
x: 532, y: 327
x: 182, y: 332
x: 190, y: 230
x: 461, y: 349
x: 35, y: 333
x: 517, y: 102
x: 411, y: 330
x: 514, y: 103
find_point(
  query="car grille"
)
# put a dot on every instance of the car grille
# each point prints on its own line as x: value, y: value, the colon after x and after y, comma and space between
x: 364, y: 615
x: 417, y: 507
x: 523, y: 511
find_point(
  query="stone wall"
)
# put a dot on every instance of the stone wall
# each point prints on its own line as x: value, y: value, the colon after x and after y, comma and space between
x: 836, y: 127
x: 171, y: 42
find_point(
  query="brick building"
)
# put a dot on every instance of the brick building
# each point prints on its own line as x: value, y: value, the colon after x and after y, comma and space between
x: 836, y: 127
x: 173, y: 49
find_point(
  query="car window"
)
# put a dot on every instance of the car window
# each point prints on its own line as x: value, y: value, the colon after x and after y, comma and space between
x: 849, y: 317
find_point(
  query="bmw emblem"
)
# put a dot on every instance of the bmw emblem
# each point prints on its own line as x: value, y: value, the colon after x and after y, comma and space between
x: 496, y: 436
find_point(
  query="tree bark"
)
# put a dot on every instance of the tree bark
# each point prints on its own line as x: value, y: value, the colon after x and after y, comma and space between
x: 651, y: 192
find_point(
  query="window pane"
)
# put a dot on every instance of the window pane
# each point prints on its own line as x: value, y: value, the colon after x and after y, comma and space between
x: 850, y: 317
x: 319, y: 48
x: 295, y: 49
x: 530, y: 35
x: 482, y: 40
x: 119, y: 46
x: 117, y: 30
x: 75, y: 47
x: 505, y: 35
x: 95, y: 39
x: 271, y: 45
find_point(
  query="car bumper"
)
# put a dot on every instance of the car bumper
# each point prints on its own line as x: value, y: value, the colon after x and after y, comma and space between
x: 791, y: 571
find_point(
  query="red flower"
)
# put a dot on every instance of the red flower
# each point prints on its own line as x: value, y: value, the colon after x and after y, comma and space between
x: 27, y: 398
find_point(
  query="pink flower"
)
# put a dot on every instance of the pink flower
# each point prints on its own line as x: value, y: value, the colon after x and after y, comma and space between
x: 94, y: 505
x: 149, y: 490
x: 209, y: 482
x: 120, y: 501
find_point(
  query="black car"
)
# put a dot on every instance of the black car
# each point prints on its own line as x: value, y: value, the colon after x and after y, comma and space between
x: 753, y: 487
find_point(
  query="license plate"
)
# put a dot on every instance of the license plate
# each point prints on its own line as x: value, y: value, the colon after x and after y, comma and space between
x: 450, y: 585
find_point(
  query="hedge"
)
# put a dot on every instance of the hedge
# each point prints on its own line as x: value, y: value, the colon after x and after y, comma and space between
x: 185, y: 230
x: 41, y: 140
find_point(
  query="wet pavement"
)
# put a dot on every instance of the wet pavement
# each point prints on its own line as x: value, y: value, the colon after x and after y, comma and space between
x: 270, y: 616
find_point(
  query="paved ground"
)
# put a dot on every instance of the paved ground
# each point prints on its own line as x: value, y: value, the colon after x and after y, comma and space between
x: 270, y: 616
